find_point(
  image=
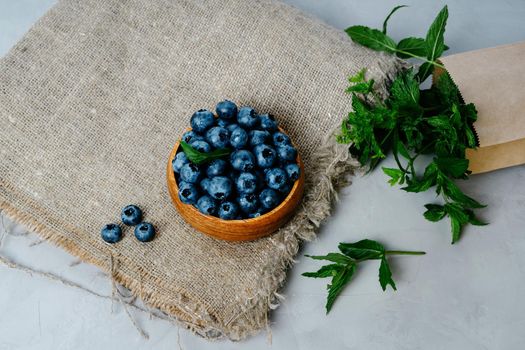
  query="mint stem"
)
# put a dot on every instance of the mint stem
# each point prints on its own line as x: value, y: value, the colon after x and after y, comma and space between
x: 421, y: 58
x: 403, y: 252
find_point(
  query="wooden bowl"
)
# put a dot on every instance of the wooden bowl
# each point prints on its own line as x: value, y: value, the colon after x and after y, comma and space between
x: 236, y: 230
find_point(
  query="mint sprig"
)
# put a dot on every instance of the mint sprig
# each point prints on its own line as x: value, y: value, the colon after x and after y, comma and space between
x: 345, y: 265
x: 427, y: 50
x: 413, y: 121
x: 198, y: 157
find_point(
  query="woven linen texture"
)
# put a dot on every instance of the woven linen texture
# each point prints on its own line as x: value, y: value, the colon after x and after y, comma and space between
x: 94, y: 97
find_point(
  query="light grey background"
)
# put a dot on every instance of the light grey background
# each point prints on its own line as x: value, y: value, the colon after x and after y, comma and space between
x: 466, y: 296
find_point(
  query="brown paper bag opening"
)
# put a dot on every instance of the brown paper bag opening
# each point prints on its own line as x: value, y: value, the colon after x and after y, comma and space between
x: 493, y: 79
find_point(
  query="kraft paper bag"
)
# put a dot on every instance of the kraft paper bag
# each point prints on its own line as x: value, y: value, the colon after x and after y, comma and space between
x: 493, y: 79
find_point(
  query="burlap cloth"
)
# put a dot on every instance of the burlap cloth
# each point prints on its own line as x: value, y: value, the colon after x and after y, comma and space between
x: 92, y: 100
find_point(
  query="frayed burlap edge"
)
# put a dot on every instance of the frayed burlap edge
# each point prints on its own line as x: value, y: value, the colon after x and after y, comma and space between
x: 332, y: 167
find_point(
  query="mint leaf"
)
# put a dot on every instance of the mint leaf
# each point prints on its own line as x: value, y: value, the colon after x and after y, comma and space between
x: 436, y: 34
x: 405, y: 91
x: 452, y: 191
x: 447, y: 91
x: 198, y: 157
x: 362, y: 88
x: 334, y: 257
x: 413, y: 46
x: 458, y: 218
x: 456, y: 229
x: 441, y: 122
x: 359, y: 77
x: 434, y: 212
x: 456, y: 211
x: 371, y: 38
x: 338, y: 283
x: 396, y: 175
x: 362, y: 250
x: 471, y: 137
x: 435, y: 43
x: 419, y: 185
x: 385, y: 23
x: 401, y: 149
x: 473, y: 220
x: 454, y: 167
x: 385, y: 275
x: 325, y: 271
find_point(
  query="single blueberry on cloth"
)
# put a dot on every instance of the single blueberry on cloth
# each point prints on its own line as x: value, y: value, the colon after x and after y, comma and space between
x: 145, y: 232
x: 111, y: 233
x: 131, y: 215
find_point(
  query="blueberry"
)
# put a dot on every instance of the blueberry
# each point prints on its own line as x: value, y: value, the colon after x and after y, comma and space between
x: 258, y: 137
x: 216, y: 167
x: 269, y: 198
x: 188, y: 193
x: 190, y: 173
x: 228, y: 210
x: 285, y: 190
x: 280, y: 139
x: 265, y: 156
x: 246, y: 183
x: 220, y: 187
x: 226, y: 110
x: 238, y: 138
x: 287, y: 153
x: 223, y: 123
x: 276, y: 178
x: 145, y: 232
x: 267, y: 122
x: 218, y: 137
x: 201, y: 146
x: 242, y: 160
x: 260, y: 211
x: 293, y: 171
x: 205, y: 184
x: 131, y: 215
x: 202, y: 120
x: 247, y: 118
x: 207, y: 205
x: 178, y: 161
x: 232, y: 127
x: 190, y: 136
x: 248, y: 202
x: 111, y: 233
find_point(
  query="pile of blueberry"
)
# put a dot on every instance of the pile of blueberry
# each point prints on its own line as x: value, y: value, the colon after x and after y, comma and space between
x: 256, y: 176
x: 131, y: 215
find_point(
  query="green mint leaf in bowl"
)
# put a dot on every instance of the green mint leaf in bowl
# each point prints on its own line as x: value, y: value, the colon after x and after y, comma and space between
x: 199, y: 157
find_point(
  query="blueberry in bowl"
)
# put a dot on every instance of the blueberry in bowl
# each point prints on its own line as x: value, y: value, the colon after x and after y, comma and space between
x: 235, y: 174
